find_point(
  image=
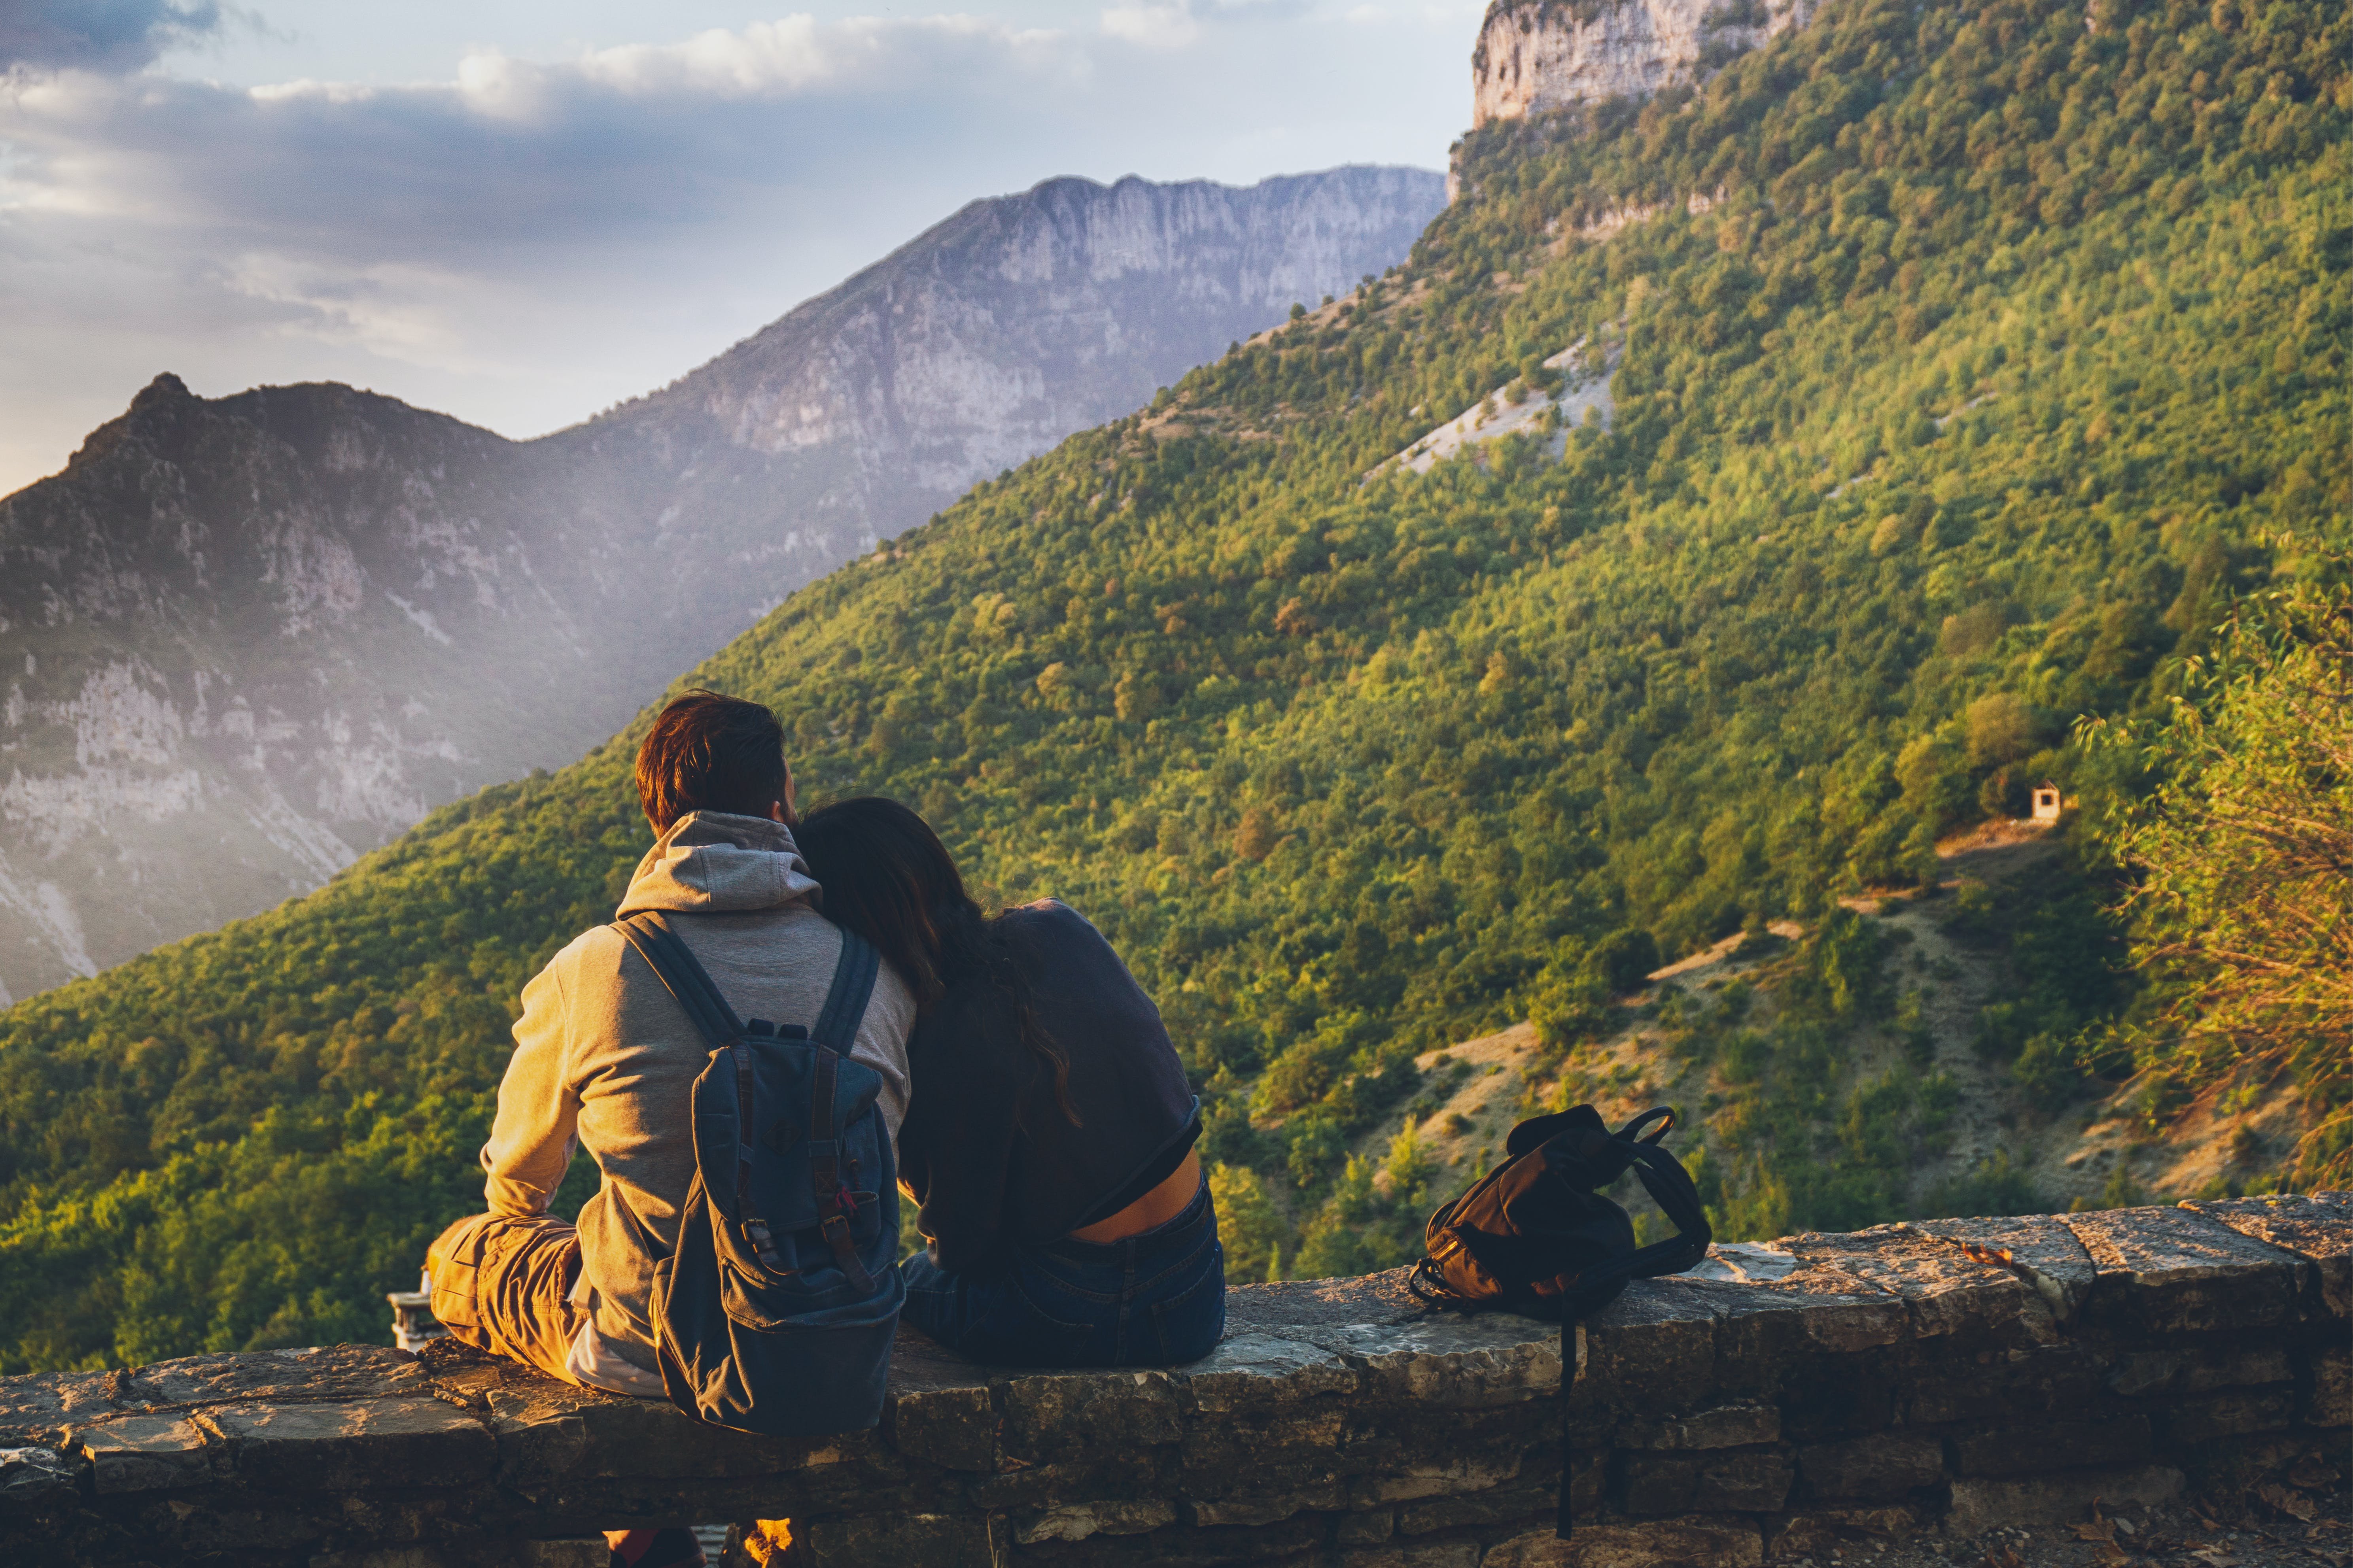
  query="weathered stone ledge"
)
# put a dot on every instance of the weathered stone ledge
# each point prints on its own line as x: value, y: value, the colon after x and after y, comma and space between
x: 1948, y: 1374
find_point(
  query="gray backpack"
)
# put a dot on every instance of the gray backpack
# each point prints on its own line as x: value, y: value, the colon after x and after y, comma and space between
x: 776, y: 1312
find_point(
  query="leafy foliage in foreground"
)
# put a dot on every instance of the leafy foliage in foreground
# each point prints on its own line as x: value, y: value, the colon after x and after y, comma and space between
x: 2245, y: 855
x: 1957, y: 415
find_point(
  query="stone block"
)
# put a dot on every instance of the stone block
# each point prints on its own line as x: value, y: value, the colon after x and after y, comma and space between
x: 904, y: 1541
x: 1258, y: 1373
x: 1726, y: 1427
x: 2318, y: 1228
x: 1414, y: 1555
x: 35, y: 1411
x: 1885, y: 1465
x: 1981, y: 1502
x: 1820, y: 1531
x: 1294, y: 1541
x: 531, y: 1452
x: 2000, y: 1385
x: 1050, y: 1412
x: 2328, y: 1400
x: 1115, y: 1472
x: 1455, y: 1363
x: 540, y: 1421
x: 1220, y: 1456
x: 2039, y: 1249
x: 2198, y: 1369
x: 345, y: 1448
x: 330, y: 1373
x: 1825, y: 1397
x: 32, y: 1478
x: 1664, y: 1543
x: 145, y: 1453
x: 589, y: 1551
x: 1653, y: 1348
x: 204, y: 1526
x: 1268, y: 1508
x: 1502, y: 1505
x: 1752, y: 1481
x: 1365, y: 1529
x: 955, y: 1427
x: 1078, y: 1520
x: 2016, y: 1449
x: 2168, y: 1270
x: 1952, y: 1291
x: 1428, y: 1478
x: 1766, y: 1333
x: 2235, y: 1366
x: 2234, y: 1414
x: 585, y: 1553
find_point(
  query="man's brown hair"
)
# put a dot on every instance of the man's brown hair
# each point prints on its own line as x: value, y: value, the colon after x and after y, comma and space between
x: 710, y: 752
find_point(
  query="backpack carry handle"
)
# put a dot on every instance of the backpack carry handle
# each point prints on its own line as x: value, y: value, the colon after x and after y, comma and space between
x: 1670, y: 1186
x: 1663, y: 1114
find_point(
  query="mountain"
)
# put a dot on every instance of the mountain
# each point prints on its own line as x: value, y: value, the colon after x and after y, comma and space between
x: 1541, y: 57
x: 972, y: 348
x: 247, y: 639
x: 1997, y: 359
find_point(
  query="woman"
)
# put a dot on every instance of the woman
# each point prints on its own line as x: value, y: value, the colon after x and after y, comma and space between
x: 1050, y: 1136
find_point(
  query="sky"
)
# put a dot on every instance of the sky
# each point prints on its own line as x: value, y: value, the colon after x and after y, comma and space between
x: 523, y: 211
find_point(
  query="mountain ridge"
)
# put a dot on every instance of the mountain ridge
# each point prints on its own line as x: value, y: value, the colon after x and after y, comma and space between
x: 406, y: 607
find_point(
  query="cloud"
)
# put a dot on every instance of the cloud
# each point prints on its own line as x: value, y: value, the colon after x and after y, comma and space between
x: 111, y: 35
x: 514, y: 152
x: 1170, y: 26
x: 524, y: 240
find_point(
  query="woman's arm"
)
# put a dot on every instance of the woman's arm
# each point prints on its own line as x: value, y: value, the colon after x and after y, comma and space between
x: 957, y: 1150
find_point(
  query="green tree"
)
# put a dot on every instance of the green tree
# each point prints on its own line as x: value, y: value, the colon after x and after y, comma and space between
x: 2245, y: 855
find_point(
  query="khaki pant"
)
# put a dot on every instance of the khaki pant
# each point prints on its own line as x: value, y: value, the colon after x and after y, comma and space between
x: 505, y: 1285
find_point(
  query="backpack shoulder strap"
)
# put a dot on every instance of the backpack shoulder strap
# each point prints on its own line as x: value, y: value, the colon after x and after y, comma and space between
x: 682, y: 973
x: 1671, y: 1187
x: 846, y: 998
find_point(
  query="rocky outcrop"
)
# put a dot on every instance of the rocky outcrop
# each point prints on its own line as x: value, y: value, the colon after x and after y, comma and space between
x: 974, y: 347
x: 1791, y: 1400
x: 243, y: 640
x: 1537, y: 56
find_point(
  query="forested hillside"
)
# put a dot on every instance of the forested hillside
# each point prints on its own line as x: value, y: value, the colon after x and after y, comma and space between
x: 1971, y: 359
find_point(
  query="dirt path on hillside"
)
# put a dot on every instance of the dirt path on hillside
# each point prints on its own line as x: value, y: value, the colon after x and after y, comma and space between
x: 1479, y: 1088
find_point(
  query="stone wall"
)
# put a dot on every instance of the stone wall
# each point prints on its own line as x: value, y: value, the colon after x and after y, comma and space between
x: 1945, y: 1375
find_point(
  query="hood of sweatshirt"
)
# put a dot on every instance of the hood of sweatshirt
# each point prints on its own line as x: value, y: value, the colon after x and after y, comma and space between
x: 714, y: 861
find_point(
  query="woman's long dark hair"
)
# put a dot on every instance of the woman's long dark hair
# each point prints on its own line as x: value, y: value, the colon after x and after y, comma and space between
x: 887, y: 877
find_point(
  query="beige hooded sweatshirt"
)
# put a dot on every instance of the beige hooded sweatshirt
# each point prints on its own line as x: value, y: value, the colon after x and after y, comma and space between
x: 604, y: 1057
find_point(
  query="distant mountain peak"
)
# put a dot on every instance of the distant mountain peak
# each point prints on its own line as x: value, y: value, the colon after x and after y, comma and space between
x: 1534, y: 56
x: 328, y: 611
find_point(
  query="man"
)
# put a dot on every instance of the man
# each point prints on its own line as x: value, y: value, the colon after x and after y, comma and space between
x: 605, y: 1057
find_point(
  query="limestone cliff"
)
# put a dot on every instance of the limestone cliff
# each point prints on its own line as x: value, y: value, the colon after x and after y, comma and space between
x: 243, y: 640
x: 1536, y: 55
x: 978, y: 345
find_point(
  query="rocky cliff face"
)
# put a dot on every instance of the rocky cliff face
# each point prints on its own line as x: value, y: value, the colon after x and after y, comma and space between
x: 980, y: 344
x: 243, y: 640
x: 1536, y: 55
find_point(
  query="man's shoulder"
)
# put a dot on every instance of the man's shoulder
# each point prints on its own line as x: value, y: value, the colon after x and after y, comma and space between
x: 597, y: 950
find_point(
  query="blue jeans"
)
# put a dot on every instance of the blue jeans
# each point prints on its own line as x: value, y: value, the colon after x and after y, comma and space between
x: 1156, y: 1298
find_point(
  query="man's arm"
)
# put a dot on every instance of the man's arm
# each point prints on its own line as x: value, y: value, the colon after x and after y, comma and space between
x: 530, y: 1143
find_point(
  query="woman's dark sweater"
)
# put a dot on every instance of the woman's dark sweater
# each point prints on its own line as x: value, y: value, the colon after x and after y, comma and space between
x: 985, y: 1147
